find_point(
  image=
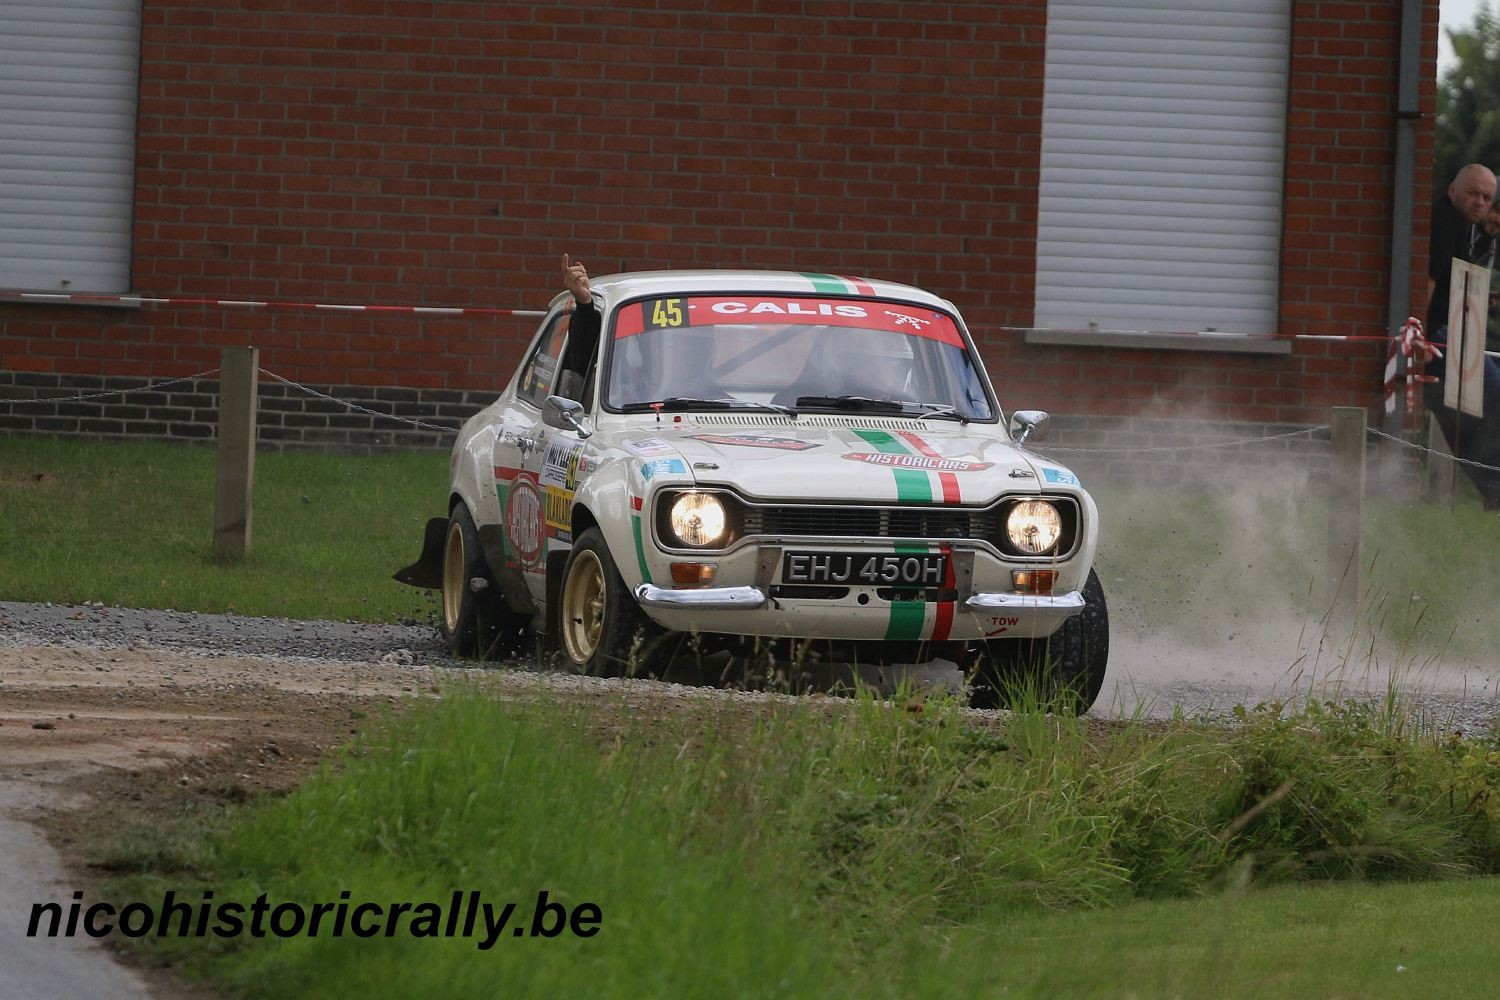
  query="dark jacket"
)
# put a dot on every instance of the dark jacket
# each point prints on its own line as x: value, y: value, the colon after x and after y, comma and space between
x: 1452, y: 236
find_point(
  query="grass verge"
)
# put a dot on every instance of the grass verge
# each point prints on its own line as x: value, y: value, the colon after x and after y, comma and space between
x: 855, y: 849
x: 130, y: 524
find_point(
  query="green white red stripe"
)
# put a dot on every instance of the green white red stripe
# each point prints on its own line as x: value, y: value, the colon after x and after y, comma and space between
x: 909, y: 619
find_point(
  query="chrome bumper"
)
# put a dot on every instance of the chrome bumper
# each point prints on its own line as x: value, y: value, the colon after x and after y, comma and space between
x: 702, y: 599
x: 1068, y: 604
x: 752, y: 598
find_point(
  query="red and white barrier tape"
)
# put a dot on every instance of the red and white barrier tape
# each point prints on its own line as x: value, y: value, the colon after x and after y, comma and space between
x: 1203, y: 335
x: 1411, y: 345
x: 157, y: 300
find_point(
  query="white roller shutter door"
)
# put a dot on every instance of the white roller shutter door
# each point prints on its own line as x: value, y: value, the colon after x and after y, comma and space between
x: 1163, y: 137
x: 69, y: 72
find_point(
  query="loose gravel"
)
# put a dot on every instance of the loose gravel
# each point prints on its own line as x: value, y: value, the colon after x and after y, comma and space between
x: 1148, y: 675
x: 100, y: 627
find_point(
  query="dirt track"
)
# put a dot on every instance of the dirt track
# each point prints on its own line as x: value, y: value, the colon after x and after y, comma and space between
x: 121, y: 730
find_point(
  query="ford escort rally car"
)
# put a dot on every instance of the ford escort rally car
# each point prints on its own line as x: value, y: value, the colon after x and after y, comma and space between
x: 760, y: 457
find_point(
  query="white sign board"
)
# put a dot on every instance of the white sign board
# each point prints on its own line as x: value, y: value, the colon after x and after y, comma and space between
x: 1468, y: 310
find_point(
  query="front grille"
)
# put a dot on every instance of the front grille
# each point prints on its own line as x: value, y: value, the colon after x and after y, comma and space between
x: 874, y: 522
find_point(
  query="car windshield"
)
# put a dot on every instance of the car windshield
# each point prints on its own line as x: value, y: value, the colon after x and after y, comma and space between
x: 799, y: 352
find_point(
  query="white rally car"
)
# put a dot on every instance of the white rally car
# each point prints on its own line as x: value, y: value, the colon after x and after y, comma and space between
x: 753, y: 457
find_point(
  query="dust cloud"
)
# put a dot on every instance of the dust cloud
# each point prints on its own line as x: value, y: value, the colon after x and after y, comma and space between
x: 1217, y: 593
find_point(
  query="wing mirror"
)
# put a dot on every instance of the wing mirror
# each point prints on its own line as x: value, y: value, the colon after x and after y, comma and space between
x: 564, y: 414
x: 1031, y: 424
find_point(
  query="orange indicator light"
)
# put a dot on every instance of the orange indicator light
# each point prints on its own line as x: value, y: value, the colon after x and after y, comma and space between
x: 1033, y: 581
x: 687, y: 574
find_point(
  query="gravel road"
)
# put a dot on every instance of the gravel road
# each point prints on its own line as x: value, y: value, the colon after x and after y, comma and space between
x: 99, y: 627
x: 1150, y: 672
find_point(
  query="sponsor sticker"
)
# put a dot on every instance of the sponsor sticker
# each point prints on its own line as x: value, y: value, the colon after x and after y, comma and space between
x: 663, y: 467
x: 755, y: 441
x: 560, y: 464
x: 926, y: 462
x: 1059, y: 476
x: 649, y: 447
x: 523, y: 520
x: 559, y: 508
x: 654, y: 315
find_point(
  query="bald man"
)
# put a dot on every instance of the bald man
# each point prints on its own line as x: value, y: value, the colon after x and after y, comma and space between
x: 1457, y: 231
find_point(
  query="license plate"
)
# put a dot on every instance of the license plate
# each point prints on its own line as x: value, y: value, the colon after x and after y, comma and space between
x: 865, y: 568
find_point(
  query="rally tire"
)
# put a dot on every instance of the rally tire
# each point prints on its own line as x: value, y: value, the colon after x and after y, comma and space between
x: 1063, y: 672
x: 601, y: 628
x: 474, y: 621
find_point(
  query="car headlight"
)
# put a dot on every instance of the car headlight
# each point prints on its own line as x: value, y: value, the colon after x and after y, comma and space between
x: 1033, y: 526
x: 698, y: 519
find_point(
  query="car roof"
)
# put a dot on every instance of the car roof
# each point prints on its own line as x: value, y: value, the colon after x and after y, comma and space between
x: 619, y: 287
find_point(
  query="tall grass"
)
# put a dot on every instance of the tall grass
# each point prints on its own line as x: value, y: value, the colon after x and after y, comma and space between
x: 820, y: 850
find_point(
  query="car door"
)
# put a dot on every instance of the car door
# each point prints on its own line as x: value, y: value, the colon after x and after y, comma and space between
x: 518, y: 445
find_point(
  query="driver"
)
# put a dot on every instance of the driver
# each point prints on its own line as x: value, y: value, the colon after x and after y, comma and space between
x: 850, y: 362
x: 863, y: 363
x: 583, y: 328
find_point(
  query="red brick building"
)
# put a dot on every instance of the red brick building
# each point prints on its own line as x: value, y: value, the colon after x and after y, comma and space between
x: 447, y: 154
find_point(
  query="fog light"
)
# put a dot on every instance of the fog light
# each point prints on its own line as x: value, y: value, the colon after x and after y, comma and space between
x: 686, y: 574
x: 1033, y: 581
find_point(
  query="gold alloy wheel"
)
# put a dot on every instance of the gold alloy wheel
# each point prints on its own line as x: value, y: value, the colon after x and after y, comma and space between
x: 453, y: 576
x: 583, y: 607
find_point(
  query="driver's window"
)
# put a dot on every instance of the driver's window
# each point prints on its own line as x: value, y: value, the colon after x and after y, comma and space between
x: 540, y: 374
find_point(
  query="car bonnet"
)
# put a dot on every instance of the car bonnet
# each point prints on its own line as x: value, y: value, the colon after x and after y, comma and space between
x: 842, y: 458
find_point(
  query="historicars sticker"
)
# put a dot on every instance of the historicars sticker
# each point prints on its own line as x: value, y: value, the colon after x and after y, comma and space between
x: 917, y: 462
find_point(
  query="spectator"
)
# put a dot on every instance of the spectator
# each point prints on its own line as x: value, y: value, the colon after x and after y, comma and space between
x: 1459, y: 231
x: 1492, y: 326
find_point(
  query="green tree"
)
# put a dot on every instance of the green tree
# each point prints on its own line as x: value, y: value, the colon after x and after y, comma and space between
x: 1468, y: 100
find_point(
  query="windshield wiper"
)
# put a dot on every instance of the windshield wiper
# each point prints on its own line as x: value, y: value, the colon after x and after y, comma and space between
x: 891, y: 405
x: 945, y: 410
x: 672, y: 403
x: 852, y: 403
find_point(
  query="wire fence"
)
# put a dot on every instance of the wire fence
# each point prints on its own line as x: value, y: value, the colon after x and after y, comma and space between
x: 153, y: 387
x: 1302, y: 432
x: 420, y: 425
x: 1206, y: 446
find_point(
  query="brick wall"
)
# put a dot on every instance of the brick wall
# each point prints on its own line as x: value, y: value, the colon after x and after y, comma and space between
x: 376, y: 151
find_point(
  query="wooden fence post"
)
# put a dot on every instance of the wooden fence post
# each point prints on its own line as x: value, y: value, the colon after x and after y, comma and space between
x: 234, y: 481
x: 1438, y: 470
x: 1346, y: 495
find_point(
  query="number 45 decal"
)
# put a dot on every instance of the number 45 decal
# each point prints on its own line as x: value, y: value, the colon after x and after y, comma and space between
x: 666, y: 312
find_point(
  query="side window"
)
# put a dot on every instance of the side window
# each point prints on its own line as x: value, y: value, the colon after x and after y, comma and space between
x: 540, y: 373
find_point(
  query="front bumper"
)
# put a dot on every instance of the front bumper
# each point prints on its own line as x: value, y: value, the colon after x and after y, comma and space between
x: 973, y: 607
x: 753, y: 599
x: 702, y: 599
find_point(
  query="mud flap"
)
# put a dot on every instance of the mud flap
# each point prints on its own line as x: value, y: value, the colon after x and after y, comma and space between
x: 427, y: 571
